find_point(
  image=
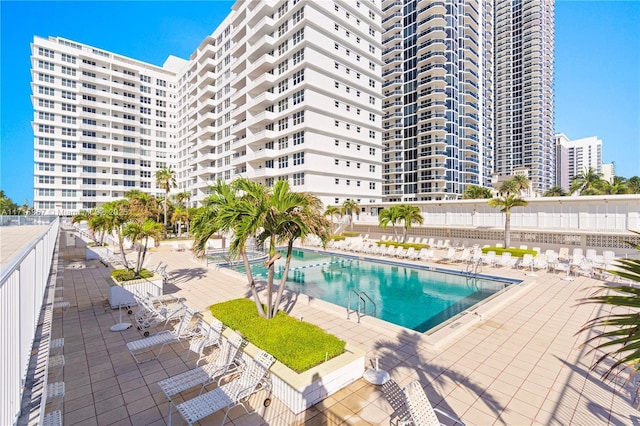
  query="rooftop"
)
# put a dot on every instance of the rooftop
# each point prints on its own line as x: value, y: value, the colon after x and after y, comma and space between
x: 523, y: 363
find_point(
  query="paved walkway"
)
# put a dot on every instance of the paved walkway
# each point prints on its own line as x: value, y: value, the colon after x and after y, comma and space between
x: 521, y: 364
x: 14, y: 239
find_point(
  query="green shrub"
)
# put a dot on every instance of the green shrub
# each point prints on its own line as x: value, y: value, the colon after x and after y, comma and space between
x: 514, y: 251
x: 297, y: 344
x: 351, y: 234
x: 337, y: 237
x: 121, y: 275
x: 416, y: 246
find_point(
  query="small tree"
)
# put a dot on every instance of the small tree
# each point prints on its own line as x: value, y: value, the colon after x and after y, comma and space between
x: 349, y: 208
x: 166, y: 179
x: 409, y: 215
x: 389, y: 216
x: 179, y: 217
x: 474, y: 192
x: 587, y: 182
x: 139, y: 235
x: 506, y: 203
x: 274, y: 216
x: 555, y: 191
x: 332, y: 211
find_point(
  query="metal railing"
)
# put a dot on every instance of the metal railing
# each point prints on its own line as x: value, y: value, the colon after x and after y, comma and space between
x: 362, y: 299
x: 23, y: 281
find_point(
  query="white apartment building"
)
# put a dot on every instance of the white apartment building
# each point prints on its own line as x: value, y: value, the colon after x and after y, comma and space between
x: 581, y: 154
x: 608, y: 172
x: 281, y: 90
x: 438, y: 98
x: 102, y: 124
x: 524, y: 135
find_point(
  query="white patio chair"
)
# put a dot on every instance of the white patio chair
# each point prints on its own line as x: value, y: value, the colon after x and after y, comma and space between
x: 489, y: 259
x: 425, y: 255
x: 506, y: 259
x: 253, y: 378
x: 210, y: 336
x: 585, y: 267
x: 153, y: 311
x: 563, y: 253
x: 449, y: 255
x: 421, y: 412
x: 526, y: 261
x: 540, y: 262
x: 183, y: 330
x: 224, y: 363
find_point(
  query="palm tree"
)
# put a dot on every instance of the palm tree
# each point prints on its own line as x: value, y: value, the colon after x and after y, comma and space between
x: 349, y: 207
x: 618, y: 186
x: 618, y: 333
x: 409, y: 214
x: 165, y: 179
x: 179, y: 217
x: 509, y: 187
x: 587, y: 182
x: 142, y: 205
x: 183, y: 198
x: 270, y: 215
x: 521, y: 182
x: 555, y: 191
x: 633, y: 184
x: 474, y: 192
x: 140, y: 234
x: 389, y: 216
x: 506, y: 203
x: 118, y: 214
x: 332, y: 211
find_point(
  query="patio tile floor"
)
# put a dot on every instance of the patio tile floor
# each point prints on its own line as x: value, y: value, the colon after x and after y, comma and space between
x: 522, y: 364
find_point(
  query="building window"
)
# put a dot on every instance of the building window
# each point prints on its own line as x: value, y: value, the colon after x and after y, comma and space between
x: 298, y: 118
x: 298, y: 179
x: 283, y: 162
x: 337, y: 181
x: 298, y: 97
x: 298, y: 158
x: 298, y: 77
x: 372, y: 185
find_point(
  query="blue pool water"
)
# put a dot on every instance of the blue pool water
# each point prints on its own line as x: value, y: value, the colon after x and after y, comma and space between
x: 412, y: 297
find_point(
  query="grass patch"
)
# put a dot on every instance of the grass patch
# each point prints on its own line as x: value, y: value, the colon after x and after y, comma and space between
x: 297, y: 344
x: 122, y: 275
x: 514, y: 251
x: 416, y: 246
x: 351, y: 234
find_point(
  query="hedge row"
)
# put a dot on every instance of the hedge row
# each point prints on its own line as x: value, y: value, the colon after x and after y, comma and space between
x: 514, y: 251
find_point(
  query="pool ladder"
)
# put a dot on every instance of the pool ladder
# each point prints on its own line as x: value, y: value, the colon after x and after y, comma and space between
x: 472, y: 268
x: 361, y: 309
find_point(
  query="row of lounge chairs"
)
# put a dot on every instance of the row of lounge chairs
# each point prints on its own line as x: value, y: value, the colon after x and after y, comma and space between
x: 237, y: 378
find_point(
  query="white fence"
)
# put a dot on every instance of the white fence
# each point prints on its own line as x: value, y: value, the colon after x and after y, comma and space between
x: 22, y: 285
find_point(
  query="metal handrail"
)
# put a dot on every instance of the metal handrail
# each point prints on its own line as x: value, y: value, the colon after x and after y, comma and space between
x: 361, y: 310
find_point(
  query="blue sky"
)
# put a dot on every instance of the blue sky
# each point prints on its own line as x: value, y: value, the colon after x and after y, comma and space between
x: 597, y: 68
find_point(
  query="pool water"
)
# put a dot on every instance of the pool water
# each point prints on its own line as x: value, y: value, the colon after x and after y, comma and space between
x: 412, y: 297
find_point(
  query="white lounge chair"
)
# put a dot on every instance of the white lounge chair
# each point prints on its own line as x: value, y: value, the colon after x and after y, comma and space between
x: 506, y: 259
x: 489, y: 258
x: 449, y: 255
x: 182, y: 331
x: 526, y: 261
x: 254, y: 377
x: 208, y: 339
x: 420, y: 409
x: 540, y: 262
x: 224, y: 363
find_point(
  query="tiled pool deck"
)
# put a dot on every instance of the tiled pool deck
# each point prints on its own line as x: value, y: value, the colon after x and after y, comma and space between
x: 521, y: 365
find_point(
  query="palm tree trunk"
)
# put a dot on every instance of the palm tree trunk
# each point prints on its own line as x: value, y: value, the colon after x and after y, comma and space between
x: 166, y: 198
x: 404, y: 235
x: 121, y: 245
x: 283, y: 280
x: 507, y: 229
x: 252, y: 285
x: 272, y: 267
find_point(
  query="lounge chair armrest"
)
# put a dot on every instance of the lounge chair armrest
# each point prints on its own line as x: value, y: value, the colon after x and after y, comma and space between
x: 449, y: 416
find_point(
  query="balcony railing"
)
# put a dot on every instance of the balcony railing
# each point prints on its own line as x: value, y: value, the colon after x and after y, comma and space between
x: 23, y: 281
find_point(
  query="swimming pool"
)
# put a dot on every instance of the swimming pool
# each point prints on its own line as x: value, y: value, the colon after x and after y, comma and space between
x: 419, y: 298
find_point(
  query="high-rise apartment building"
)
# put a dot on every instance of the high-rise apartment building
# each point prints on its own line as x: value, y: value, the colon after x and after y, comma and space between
x: 438, y: 98
x: 581, y: 155
x: 524, y: 135
x: 281, y: 90
x: 103, y: 124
